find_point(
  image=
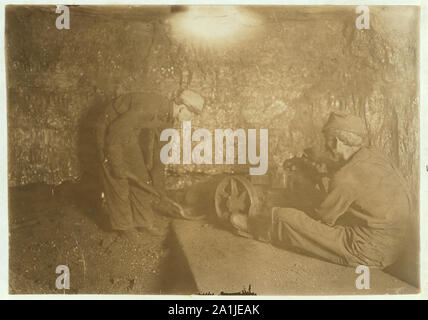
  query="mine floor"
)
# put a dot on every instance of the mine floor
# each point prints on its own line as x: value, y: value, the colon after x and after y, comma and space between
x: 221, y: 262
x: 48, y: 228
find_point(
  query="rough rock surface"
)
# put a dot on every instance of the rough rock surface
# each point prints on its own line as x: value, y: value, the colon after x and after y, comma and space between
x: 286, y: 72
x: 293, y: 68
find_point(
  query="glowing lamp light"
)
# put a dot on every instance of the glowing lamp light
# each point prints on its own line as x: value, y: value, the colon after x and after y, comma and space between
x: 213, y: 24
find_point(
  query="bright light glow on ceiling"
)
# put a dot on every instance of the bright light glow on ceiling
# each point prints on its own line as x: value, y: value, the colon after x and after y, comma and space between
x: 213, y: 24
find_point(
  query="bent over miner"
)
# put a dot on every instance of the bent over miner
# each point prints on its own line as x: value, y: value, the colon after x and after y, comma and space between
x: 126, y: 168
x: 367, y: 189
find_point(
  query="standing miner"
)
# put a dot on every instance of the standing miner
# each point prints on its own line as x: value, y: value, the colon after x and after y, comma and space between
x: 367, y: 190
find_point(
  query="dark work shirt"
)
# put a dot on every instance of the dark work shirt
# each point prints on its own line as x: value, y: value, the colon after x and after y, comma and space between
x: 141, y: 110
x: 369, y: 189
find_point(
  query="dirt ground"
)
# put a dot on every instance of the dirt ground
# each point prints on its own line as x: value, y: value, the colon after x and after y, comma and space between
x: 50, y: 227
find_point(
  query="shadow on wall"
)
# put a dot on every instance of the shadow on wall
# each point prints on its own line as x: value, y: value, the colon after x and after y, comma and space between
x: 90, y: 183
x: 305, y: 77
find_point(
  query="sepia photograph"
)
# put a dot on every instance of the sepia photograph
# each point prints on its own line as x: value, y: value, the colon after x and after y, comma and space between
x: 257, y: 150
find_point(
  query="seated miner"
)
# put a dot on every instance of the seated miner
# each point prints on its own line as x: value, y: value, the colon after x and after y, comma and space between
x: 364, y: 217
x: 127, y: 183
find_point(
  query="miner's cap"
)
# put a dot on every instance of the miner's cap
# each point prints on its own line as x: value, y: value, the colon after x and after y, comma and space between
x: 345, y: 122
x: 192, y: 100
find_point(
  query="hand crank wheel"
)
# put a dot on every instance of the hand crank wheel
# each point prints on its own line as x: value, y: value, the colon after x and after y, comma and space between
x: 235, y: 194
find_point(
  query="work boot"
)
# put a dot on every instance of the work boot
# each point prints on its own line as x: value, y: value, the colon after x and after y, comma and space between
x: 255, y: 227
x: 240, y: 222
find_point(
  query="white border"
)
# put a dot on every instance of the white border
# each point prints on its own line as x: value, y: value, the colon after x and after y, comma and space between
x: 4, y: 262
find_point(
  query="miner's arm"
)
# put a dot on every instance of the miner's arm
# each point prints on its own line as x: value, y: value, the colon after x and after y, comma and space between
x: 340, y: 197
x: 112, y: 111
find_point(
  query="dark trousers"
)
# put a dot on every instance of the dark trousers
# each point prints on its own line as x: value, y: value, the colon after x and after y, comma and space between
x: 127, y: 205
x: 339, y: 244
